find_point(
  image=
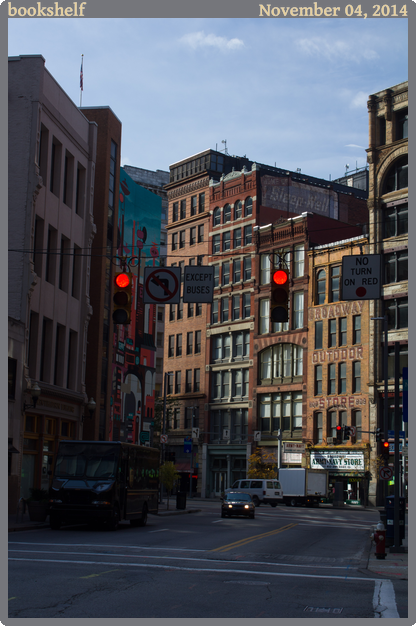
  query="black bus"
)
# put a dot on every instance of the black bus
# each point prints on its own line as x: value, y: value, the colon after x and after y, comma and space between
x: 104, y: 481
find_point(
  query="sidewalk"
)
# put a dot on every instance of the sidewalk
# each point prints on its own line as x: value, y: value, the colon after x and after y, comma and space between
x: 393, y: 566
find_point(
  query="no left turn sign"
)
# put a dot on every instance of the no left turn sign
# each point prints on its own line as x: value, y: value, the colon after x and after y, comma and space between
x: 162, y: 285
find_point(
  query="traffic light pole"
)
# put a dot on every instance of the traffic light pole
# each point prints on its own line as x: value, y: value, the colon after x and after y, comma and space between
x: 397, y: 427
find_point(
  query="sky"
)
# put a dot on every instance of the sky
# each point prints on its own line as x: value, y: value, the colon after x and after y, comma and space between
x: 290, y: 93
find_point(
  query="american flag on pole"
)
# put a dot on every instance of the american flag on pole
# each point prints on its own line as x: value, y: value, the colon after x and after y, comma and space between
x: 81, y: 74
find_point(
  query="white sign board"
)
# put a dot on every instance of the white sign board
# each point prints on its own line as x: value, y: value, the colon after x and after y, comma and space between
x: 195, y: 433
x: 338, y: 461
x: 257, y: 435
x: 361, y: 277
x: 162, y: 285
x: 198, y: 284
x: 291, y: 446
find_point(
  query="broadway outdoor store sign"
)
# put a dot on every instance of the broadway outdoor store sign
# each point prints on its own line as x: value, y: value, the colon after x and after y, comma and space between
x: 338, y: 461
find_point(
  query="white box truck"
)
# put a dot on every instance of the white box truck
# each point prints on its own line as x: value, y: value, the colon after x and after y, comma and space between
x: 303, y: 486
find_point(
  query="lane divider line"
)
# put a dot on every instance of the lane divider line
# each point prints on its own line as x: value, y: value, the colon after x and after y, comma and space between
x: 243, y: 542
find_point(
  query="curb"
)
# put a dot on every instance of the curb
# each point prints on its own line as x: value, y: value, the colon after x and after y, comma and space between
x: 177, y: 512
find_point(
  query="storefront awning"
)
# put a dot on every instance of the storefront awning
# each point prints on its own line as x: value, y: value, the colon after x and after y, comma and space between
x: 182, y: 467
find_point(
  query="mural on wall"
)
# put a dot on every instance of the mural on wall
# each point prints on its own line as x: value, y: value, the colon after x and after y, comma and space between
x: 134, y: 345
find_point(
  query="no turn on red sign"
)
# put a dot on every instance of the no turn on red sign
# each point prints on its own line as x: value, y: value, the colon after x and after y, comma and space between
x: 361, y: 277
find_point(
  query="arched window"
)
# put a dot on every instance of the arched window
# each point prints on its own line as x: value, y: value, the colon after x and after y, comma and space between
x: 281, y: 361
x: 396, y: 177
x: 238, y: 209
x: 320, y: 287
x: 217, y: 216
x: 248, y: 207
x: 227, y: 213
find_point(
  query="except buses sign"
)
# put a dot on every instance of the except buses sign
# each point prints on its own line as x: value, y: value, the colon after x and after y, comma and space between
x: 361, y: 277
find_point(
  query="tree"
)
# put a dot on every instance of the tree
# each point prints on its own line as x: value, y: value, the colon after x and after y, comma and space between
x: 262, y: 464
x: 168, y: 476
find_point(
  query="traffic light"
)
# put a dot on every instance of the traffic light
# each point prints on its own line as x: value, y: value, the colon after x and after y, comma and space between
x: 347, y: 433
x: 122, y: 298
x: 338, y: 430
x: 385, y: 451
x: 279, y: 298
x: 378, y: 434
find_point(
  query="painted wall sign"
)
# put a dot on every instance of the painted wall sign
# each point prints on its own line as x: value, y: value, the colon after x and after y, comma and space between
x: 338, y: 461
x: 337, y: 401
x: 335, y: 310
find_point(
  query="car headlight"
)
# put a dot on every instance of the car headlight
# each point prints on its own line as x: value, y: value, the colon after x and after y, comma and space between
x: 230, y: 506
x: 102, y: 487
x: 246, y: 506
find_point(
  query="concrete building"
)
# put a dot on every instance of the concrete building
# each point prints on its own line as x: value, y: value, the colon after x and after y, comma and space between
x: 52, y: 155
x: 387, y: 156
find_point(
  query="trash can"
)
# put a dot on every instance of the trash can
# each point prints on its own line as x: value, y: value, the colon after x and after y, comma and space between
x: 181, y: 500
x: 390, y: 517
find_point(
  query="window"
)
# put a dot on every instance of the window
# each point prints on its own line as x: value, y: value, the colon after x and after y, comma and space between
x: 55, y: 176
x: 176, y: 420
x: 198, y: 309
x: 318, y: 380
x: 194, y: 205
x: 332, y: 333
x: 172, y: 308
x: 299, y: 261
x: 264, y: 269
x: 191, y: 308
x: 221, y: 347
x: 356, y: 328
x: 264, y: 316
x: 196, y: 380
x: 51, y: 256
x: 197, y: 341
x: 237, y: 237
x: 201, y: 202
x: 214, y: 312
x: 174, y: 241
x: 280, y: 361
x: 298, y: 309
x: 171, y: 345
x: 170, y: 383
x: 216, y: 275
x: 397, y: 313
x: 216, y: 244
x: 396, y: 177
x: 177, y: 382
x: 182, y: 239
x: 396, y: 220
x: 356, y: 421
x: 403, y: 359
x: 224, y: 309
x: 246, y: 305
x: 248, y: 207
x: 221, y: 384
x: 179, y: 345
x: 320, y: 287
x: 402, y: 124
x: 237, y: 271
x: 247, y: 235
x: 236, y: 307
x: 318, y: 428
x: 12, y: 378
x: 192, y: 236
x: 395, y: 267
x: 332, y: 379
x: 342, y: 331
x: 180, y: 309
x: 64, y: 264
x: 247, y: 268
x: 226, y: 241
x: 200, y: 233
x: 175, y: 211
x: 188, y: 381
x: 217, y: 216
x: 68, y: 179
x: 342, y: 378
x: 183, y: 209
x: 227, y: 213
x: 226, y: 273
x: 238, y: 209
x: 332, y: 423
x: 335, y: 283
x: 356, y: 377
x: 319, y: 330
x: 189, y: 342
x: 281, y: 410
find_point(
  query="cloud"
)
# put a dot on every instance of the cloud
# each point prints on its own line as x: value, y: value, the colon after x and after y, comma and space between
x: 359, y: 101
x: 201, y: 40
x: 335, y: 49
x: 354, y: 145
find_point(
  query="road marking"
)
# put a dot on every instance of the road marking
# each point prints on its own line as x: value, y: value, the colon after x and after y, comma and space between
x: 384, y: 599
x: 158, y: 531
x: 243, y: 542
x: 200, y: 569
x: 94, y: 575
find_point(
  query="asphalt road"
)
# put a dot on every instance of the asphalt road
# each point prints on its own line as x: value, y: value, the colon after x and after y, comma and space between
x: 286, y: 563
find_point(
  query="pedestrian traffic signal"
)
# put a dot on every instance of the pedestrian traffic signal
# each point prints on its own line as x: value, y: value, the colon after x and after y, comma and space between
x: 347, y: 433
x: 122, y: 298
x: 378, y: 434
x: 279, y: 298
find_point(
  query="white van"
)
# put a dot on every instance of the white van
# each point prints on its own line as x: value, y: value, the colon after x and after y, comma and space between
x: 264, y: 490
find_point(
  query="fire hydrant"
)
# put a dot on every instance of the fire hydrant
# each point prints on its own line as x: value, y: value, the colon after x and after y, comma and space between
x: 379, y: 538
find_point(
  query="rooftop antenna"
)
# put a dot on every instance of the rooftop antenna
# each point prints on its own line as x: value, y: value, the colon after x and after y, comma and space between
x: 224, y: 141
x: 347, y: 168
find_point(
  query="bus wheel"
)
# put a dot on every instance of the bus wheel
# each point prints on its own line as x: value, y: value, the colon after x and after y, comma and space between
x: 115, y: 518
x: 143, y: 520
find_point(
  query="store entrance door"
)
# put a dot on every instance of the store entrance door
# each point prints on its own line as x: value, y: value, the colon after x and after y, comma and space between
x: 220, y: 482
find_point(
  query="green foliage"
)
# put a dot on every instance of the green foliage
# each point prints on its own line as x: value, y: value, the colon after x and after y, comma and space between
x: 262, y: 464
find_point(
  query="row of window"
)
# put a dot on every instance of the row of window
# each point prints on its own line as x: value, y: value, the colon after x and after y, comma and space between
x: 193, y: 344
x: 337, y: 378
x: 191, y: 418
x: 280, y: 361
x: 231, y: 308
x: 325, y: 424
x: 231, y: 214
x: 236, y: 420
x: 292, y: 260
x: 213, y: 162
x: 337, y: 334
x: 196, y: 235
x: 296, y: 315
x: 230, y: 384
x: 281, y: 410
x: 197, y: 205
x: 232, y: 272
x: 400, y: 123
x: 192, y: 381
x: 231, y: 239
x: 176, y: 310
x: 228, y: 346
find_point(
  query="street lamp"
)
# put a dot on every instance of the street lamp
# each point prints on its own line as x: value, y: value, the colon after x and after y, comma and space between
x: 35, y: 392
x: 91, y: 404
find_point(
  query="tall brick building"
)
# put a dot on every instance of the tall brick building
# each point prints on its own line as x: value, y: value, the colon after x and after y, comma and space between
x: 387, y: 156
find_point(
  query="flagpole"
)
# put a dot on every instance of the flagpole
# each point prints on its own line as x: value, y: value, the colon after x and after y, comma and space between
x: 81, y: 80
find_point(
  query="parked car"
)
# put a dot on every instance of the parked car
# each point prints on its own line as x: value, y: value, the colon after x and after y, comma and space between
x: 261, y: 490
x: 237, y: 504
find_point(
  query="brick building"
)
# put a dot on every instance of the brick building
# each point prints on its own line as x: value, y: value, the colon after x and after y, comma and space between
x: 387, y: 156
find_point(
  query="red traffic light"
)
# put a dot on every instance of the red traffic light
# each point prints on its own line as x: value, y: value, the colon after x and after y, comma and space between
x: 385, y: 445
x: 280, y: 277
x: 339, y: 428
x: 122, y: 280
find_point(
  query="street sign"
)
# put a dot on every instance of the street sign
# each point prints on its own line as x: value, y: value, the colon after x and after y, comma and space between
x: 361, y: 277
x: 162, y: 285
x: 187, y: 445
x: 386, y: 473
x: 352, y: 431
x: 226, y: 433
x: 195, y: 433
x: 198, y: 284
x: 402, y: 434
x: 163, y: 438
x: 144, y: 436
x: 257, y: 435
